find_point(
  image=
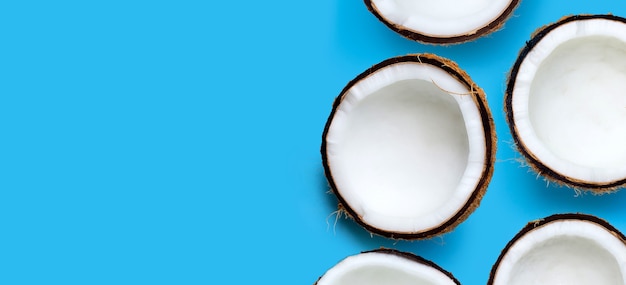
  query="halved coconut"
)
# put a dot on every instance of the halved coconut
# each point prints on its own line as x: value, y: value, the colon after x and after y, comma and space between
x: 563, y: 249
x: 442, y: 21
x: 409, y: 147
x: 566, y: 102
x: 386, y: 266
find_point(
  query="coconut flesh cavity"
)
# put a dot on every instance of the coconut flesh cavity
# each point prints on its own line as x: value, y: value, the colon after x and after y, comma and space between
x: 442, y: 21
x: 566, y: 102
x: 386, y: 266
x: 563, y: 249
x: 409, y: 147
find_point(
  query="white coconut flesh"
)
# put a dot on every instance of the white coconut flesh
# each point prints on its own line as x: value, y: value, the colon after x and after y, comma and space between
x: 377, y: 268
x: 406, y: 147
x: 441, y: 18
x: 569, y: 252
x: 569, y: 100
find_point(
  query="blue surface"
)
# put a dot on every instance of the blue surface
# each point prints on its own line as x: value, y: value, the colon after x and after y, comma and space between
x: 177, y: 142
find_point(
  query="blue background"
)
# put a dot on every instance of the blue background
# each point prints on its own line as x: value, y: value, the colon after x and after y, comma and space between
x: 177, y: 142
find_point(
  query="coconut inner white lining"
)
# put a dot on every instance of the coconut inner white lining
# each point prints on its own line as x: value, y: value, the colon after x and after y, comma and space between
x: 568, y: 252
x: 400, y: 151
x: 570, y: 100
x: 378, y: 268
x: 442, y: 17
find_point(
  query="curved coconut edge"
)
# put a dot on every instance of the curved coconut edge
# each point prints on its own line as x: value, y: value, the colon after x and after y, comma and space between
x: 479, y: 97
x: 531, y: 159
x: 553, y: 218
x: 493, y: 26
x: 411, y: 257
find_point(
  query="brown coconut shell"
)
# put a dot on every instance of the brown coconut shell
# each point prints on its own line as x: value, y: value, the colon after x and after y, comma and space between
x: 412, y: 257
x: 491, y: 27
x: 479, y: 98
x: 535, y: 163
x: 533, y: 225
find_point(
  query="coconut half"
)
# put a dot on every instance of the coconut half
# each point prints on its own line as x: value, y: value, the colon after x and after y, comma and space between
x: 409, y: 147
x: 442, y: 21
x: 563, y: 249
x: 566, y: 102
x: 386, y: 266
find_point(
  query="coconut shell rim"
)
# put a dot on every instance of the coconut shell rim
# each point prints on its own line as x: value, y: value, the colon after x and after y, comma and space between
x: 407, y: 255
x: 491, y: 27
x: 534, y: 162
x: 532, y: 225
x: 489, y: 133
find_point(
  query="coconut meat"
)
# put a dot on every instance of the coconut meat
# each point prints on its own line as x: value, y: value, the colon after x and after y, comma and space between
x: 570, y: 101
x: 443, y: 18
x: 568, y: 252
x: 406, y: 147
x: 374, y: 268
